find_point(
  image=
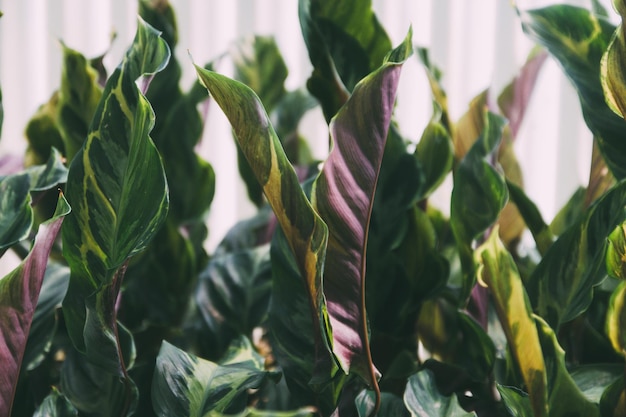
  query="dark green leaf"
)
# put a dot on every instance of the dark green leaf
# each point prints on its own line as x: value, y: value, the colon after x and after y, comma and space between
x: 19, y: 292
x: 592, y: 380
x: 16, y: 214
x: 613, y: 76
x: 117, y: 189
x: 55, y: 405
x: 478, y: 196
x: 423, y: 399
x: 532, y: 217
x: 184, y: 384
x: 390, y: 405
x: 343, y: 195
x: 561, y: 287
x: 233, y: 294
x: 435, y: 152
x: 516, y: 402
x: 578, y: 39
x: 345, y: 43
x: 564, y: 398
x: 42, y: 133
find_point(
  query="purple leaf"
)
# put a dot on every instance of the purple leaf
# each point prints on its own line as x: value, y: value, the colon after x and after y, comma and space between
x: 19, y: 293
x: 343, y: 194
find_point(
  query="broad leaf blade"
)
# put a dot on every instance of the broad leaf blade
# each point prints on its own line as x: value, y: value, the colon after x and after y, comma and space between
x: 184, y: 384
x: 561, y: 287
x: 435, y: 152
x: 564, y: 397
x: 16, y: 214
x: 423, y: 399
x: 497, y: 270
x: 116, y: 183
x: 345, y: 43
x: 578, y: 40
x: 306, y: 233
x: 79, y: 96
x: 56, y: 405
x: 343, y: 195
x: 612, y: 66
x: 478, y: 196
x: 19, y: 292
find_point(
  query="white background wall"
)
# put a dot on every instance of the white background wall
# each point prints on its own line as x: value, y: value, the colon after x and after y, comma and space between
x: 477, y: 43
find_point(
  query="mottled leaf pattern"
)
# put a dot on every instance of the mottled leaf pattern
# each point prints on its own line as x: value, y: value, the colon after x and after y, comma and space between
x: 343, y: 195
x: 116, y: 184
x: 19, y: 292
x: 613, y: 74
x: 497, y: 270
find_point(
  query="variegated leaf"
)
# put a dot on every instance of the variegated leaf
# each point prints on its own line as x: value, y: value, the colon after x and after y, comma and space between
x: 343, y: 195
x: 306, y: 233
x: 612, y: 66
x: 19, y: 292
x: 497, y: 271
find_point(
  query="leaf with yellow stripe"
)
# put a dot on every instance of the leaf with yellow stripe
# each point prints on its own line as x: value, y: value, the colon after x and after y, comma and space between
x: 305, y: 232
x: 118, y: 192
x: 497, y: 271
x: 613, y: 75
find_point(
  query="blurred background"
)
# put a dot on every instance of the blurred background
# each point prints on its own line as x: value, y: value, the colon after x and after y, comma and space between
x: 478, y: 44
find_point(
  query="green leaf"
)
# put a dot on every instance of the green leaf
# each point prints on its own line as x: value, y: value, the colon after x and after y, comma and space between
x: 561, y: 287
x: 16, y: 213
x: 593, y: 379
x: 564, y: 397
x: 440, y: 98
x: 55, y: 405
x: 497, y: 271
x: 79, y: 96
x: 251, y: 412
x: 260, y: 66
x: 119, y: 196
x: 478, y: 196
x: 116, y: 186
x: 184, y: 384
x: 42, y: 133
x: 423, y: 399
x: 233, y: 294
x: 616, y: 252
x: 616, y: 318
x: 345, y: 43
x: 435, y: 153
x: 515, y: 401
x: 390, y: 405
x: 19, y: 292
x: 578, y: 39
x: 612, y: 72
x: 306, y: 233
x: 343, y: 195
x: 532, y: 217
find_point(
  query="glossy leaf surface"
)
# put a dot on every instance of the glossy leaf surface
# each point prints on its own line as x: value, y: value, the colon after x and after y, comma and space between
x: 56, y: 405
x: 423, y: 399
x: 343, y: 195
x: 184, y: 384
x: 19, y: 292
x: 497, y: 270
x: 478, y: 196
x: 561, y: 287
x: 306, y: 233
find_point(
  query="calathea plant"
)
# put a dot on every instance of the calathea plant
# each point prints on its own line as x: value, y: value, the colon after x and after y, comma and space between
x: 349, y: 293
